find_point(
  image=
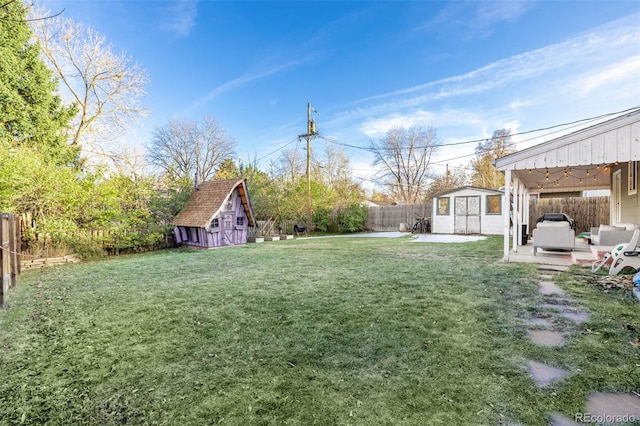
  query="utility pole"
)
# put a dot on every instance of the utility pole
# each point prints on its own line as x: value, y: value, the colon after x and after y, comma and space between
x: 311, y: 133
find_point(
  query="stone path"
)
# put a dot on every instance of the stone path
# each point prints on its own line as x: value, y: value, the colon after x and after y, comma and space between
x: 558, y: 316
x: 544, y: 374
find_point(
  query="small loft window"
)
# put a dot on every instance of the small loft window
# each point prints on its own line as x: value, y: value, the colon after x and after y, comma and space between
x: 240, y: 221
x: 633, y: 178
x: 494, y: 204
x: 215, y: 223
x: 443, y: 206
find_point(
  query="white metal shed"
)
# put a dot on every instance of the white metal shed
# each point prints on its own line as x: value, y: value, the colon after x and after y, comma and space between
x: 468, y: 210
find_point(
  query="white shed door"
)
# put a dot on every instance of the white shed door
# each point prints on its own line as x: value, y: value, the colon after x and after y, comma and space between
x: 467, y: 215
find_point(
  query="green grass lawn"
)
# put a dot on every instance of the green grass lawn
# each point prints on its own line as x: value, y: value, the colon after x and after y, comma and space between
x: 345, y: 331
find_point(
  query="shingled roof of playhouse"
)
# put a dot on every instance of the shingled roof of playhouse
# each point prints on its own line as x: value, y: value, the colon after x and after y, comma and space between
x: 207, y: 201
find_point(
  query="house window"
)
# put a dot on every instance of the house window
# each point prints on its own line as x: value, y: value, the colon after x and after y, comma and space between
x: 443, y: 206
x: 633, y: 178
x: 494, y: 204
x: 240, y: 221
x: 215, y: 223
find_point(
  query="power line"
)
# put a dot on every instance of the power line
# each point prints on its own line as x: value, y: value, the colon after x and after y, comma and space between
x: 279, y: 149
x: 571, y: 124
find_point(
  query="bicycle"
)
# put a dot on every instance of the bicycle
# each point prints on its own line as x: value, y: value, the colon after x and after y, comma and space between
x: 422, y: 225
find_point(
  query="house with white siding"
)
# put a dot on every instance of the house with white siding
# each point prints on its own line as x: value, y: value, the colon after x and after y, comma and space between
x: 602, y: 156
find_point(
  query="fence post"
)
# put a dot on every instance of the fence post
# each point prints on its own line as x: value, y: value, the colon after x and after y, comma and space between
x: 9, y: 261
x: 3, y: 256
x: 13, y: 251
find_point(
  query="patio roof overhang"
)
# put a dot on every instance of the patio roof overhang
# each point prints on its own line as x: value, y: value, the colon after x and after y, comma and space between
x: 579, y: 161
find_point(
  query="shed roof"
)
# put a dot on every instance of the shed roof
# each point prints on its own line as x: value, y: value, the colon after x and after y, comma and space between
x: 206, y: 201
x: 476, y: 188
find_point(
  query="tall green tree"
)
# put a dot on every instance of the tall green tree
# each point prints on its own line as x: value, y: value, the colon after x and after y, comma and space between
x: 30, y: 112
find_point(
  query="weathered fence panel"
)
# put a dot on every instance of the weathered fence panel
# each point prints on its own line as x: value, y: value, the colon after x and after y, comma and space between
x: 586, y: 211
x: 389, y: 218
x: 9, y: 247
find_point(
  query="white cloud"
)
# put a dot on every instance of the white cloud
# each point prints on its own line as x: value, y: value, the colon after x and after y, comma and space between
x: 624, y: 70
x: 562, y: 73
x: 180, y: 17
x: 241, y: 81
x: 474, y: 19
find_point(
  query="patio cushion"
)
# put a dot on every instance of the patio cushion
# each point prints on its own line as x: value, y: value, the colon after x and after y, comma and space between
x: 553, y: 235
x: 607, y: 235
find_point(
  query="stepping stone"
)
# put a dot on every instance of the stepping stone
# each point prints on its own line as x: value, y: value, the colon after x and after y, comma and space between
x: 544, y: 374
x: 614, y: 408
x: 546, y: 337
x: 556, y: 307
x: 578, y: 317
x: 549, y: 288
x: 558, y: 419
x: 541, y: 322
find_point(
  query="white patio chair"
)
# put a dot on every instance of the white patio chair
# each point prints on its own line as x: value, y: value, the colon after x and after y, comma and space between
x: 626, y: 255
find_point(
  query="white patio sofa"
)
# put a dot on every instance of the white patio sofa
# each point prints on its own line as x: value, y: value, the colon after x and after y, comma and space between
x: 607, y: 235
x: 553, y: 235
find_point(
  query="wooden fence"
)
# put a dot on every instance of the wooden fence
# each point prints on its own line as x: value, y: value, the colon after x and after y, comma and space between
x: 9, y: 248
x: 586, y: 211
x: 389, y: 218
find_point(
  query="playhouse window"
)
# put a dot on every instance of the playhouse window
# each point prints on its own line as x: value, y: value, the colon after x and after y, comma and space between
x: 633, y: 178
x: 494, y: 204
x: 240, y: 221
x: 215, y: 223
x: 443, y: 206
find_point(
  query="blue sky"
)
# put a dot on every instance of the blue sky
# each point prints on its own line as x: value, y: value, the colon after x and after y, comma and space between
x: 466, y: 68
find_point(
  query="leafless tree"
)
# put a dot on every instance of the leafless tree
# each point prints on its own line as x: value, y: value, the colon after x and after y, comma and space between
x: 107, y: 87
x: 405, y: 158
x: 290, y: 166
x: 183, y: 148
x: 451, y: 179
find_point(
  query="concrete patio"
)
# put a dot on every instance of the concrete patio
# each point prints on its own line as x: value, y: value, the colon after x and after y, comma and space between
x: 583, y: 255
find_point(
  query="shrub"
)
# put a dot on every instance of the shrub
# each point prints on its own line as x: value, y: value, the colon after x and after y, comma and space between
x: 353, y: 218
x: 322, y: 219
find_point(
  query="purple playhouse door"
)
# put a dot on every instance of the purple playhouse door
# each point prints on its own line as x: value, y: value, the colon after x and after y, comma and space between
x: 228, y: 234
